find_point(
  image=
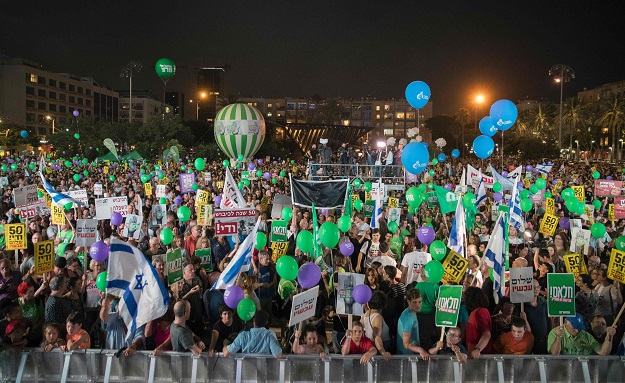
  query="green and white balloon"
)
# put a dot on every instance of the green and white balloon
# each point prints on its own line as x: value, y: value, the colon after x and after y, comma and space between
x: 239, y: 129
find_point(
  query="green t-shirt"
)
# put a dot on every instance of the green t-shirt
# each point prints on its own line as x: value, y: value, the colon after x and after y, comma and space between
x: 582, y: 344
x: 66, y: 236
x: 429, y: 293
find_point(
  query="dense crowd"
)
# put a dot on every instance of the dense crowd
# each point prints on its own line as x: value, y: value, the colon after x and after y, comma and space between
x: 64, y: 309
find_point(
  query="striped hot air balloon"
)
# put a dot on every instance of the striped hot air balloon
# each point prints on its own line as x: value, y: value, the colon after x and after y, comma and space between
x: 239, y: 129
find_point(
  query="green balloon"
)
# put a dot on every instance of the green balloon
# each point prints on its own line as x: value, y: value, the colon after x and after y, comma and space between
x: 14, y: 167
x: 434, y: 271
x: 620, y: 243
x: 162, y: 200
x: 85, y: 173
x: 438, y: 250
x: 194, y: 187
x: 287, y: 268
x: 261, y: 241
x: 548, y: 195
x: 67, y: 164
x: 4, y: 168
x: 541, y: 183
x: 422, y: 188
x: 112, y: 178
x: 572, y: 204
x: 77, y: 136
x: 329, y: 234
x: 526, y: 204
x: 392, y: 227
x: 292, y: 162
x: 274, y: 180
x: 31, y: 166
x: 226, y: 163
x: 246, y: 309
x: 357, y: 183
x: 165, y: 68
x: 368, y: 186
x: 434, y: 162
x: 344, y: 224
x: 145, y: 178
x: 358, y: 205
x: 285, y: 288
x: 469, y: 200
x: 39, y: 194
x: 534, y: 189
x: 240, y: 157
x: 597, y: 204
x: 183, y: 213
x: 431, y: 185
x: 411, y: 209
x: 166, y: 236
x: 282, y: 173
x: 496, y: 187
x: 246, y: 182
x: 413, y: 196
x: 68, y: 206
x: 287, y: 213
x: 259, y: 173
x: 597, y: 230
x: 581, y: 208
x: 183, y: 168
x: 240, y: 185
x: 304, y: 241
x: 567, y: 194
x: 100, y: 281
x: 156, y: 167
x: 596, y: 175
x: 200, y: 164
x: 524, y: 193
x: 432, y: 172
x: 76, y: 177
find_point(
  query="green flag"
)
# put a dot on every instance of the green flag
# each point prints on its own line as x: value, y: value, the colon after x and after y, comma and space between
x: 348, y: 201
x: 448, y: 200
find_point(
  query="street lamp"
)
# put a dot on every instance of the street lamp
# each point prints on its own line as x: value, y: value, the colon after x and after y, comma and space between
x: 577, y: 143
x: 133, y: 66
x: 197, y: 105
x: 51, y: 119
x: 620, y: 149
x: 562, y: 73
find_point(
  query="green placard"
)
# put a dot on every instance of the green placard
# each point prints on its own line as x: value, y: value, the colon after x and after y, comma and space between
x: 368, y: 208
x: 245, y: 175
x: 278, y: 231
x: 432, y: 199
x: 174, y: 266
x: 560, y: 294
x: 448, y: 305
x: 207, y: 258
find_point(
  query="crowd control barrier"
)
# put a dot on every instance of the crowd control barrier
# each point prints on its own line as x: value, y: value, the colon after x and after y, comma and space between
x: 86, y: 366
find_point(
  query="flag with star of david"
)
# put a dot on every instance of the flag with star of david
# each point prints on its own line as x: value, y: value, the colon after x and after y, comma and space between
x: 132, y: 278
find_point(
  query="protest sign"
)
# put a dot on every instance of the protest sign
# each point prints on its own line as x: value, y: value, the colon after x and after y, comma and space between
x: 186, y: 182
x: 278, y: 249
x: 368, y: 208
x: 148, y: 188
x: 345, y: 303
x: 611, y: 212
x: 132, y: 226
x: 44, y: 257
x: 616, y: 267
x: 32, y: 210
x: 86, y: 232
x: 394, y: 215
x: 202, y: 197
x: 280, y: 201
x: 161, y: 191
x: 455, y: 266
x: 304, y: 305
x: 619, y: 207
x: 58, y: 215
x: 560, y: 294
x: 278, y: 231
x: 393, y: 202
x: 25, y: 195
x: 204, y: 215
x: 234, y: 221
x: 548, y: 225
x: 550, y: 206
x: 448, y: 306
x: 174, y: 266
x: 97, y: 189
x: 159, y: 214
x: 207, y: 258
x: 79, y: 195
x: 521, y: 284
x: 15, y: 236
x: 579, y: 193
x: 432, y: 199
x: 608, y: 188
x: 104, y: 207
x: 575, y: 264
x: 579, y: 238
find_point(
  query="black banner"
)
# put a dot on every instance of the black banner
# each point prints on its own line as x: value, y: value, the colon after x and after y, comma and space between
x: 325, y: 194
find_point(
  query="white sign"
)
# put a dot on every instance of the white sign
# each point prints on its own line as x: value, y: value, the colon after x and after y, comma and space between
x: 25, y: 195
x: 97, y: 189
x: 304, y: 305
x: 32, y: 210
x: 521, y: 284
x: 375, y: 189
x: 160, y: 191
x: 132, y: 226
x: 86, y: 232
x: 579, y: 238
x: 345, y: 303
x: 79, y: 195
x: 104, y: 207
x: 159, y: 214
x: 279, y: 202
x: 234, y: 221
x: 394, y: 214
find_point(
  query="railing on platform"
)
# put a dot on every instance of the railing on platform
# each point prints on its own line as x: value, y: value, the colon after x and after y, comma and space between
x: 390, y: 173
x: 88, y: 366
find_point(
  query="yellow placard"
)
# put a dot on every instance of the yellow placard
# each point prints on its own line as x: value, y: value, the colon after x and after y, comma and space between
x: 526, y: 183
x: 611, y: 212
x: 575, y: 264
x: 58, y: 215
x: 550, y: 206
x: 279, y: 249
x: 204, y: 215
x: 105, y: 170
x: 163, y: 181
x: 393, y: 202
x: 579, y: 193
x: 15, y: 236
x: 44, y: 257
x: 202, y: 197
x: 455, y: 266
x: 219, y: 185
x: 355, y: 197
x: 616, y: 267
x: 549, y: 224
x: 148, y: 188
x: 367, y: 196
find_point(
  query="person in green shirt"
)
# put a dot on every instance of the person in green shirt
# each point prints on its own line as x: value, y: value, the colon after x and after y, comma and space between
x: 63, y: 238
x: 572, y: 339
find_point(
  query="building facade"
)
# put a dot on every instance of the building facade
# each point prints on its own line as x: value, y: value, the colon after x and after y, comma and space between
x: 144, y: 107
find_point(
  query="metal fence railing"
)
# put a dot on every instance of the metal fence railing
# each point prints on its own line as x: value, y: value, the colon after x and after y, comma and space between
x: 83, y: 366
x: 390, y: 173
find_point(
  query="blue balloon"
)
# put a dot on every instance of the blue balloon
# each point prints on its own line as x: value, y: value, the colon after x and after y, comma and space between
x: 415, y: 157
x: 418, y: 94
x: 483, y: 146
x: 442, y: 157
x: 503, y: 113
x: 24, y: 133
x: 486, y: 127
x: 455, y: 153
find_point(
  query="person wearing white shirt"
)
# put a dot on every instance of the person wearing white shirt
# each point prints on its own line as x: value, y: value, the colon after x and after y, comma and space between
x: 412, y: 264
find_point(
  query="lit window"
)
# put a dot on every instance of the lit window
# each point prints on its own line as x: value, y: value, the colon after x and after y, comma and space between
x: 269, y: 114
x: 346, y: 122
x: 377, y: 116
x: 249, y: 103
x: 33, y: 78
x: 269, y: 105
x: 388, y: 132
x: 387, y: 107
x: 604, y: 130
x: 399, y: 115
x: 377, y: 108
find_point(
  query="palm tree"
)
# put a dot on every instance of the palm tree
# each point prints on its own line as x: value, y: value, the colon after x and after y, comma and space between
x: 612, y: 115
x: 523, y: 123
x: 541, y: 121
x: 330, y: 112
x: 576, y: 112
x: 463, y: 116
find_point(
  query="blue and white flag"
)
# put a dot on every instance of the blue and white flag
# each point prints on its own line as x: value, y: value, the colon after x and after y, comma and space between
x: 458, y: 231
x: 130, y: 276
x: 377, y: 208
x: 544, y: 169
x: 240, y: 262
x: 515, y: 173
x: 516, y: 214
x: 506, y: 184
x: 58, y: 198
x: 495, y: 258
x: 481, y: 194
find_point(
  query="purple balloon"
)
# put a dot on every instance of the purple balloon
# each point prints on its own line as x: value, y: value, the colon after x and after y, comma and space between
x: 608, y: 178
x: 504, y: 173
x: 309, y: 275
x: 260, y: 161
x: 178, y: 200
x: 519, y: 184
x: 75, y: 113
x: 497, y: 197
x: 99, y: 251
x: 267, y: 175
x: 346, y: 248
x: 529, y: 168
x: 564, y: 223
x: 554, y: 182
x: 116, y: 219
x: 218, y: 200
x: 448, y: 186
x: 233, y: 295
x: 362, y: 294
x: 251, y: 166
x: 426, y: 235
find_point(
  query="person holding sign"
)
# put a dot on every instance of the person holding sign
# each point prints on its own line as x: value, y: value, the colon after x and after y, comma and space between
x: 356, y: 342
x: 572, y: 339
x: 451, y: 345
x: 518, y: 341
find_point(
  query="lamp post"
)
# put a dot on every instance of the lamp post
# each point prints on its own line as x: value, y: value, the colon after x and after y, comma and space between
x: 127, y: 71
x: 562, y: 73
x: 197, y: 105
x: 51, y: 119
x: 591, y: 143
x: 577, y: 155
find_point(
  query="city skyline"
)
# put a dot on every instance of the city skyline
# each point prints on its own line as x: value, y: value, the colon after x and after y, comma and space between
x: 344, y: 49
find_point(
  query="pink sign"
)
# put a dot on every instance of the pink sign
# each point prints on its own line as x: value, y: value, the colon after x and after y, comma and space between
x: 608, y: 188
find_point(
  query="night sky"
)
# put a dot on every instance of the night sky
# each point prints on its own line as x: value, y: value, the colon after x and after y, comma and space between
x: 334, y: 48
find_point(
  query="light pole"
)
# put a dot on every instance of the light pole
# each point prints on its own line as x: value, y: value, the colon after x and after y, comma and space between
x: 51, y: 119
x: 577, y: 143
x: 562, y: 73
x: 197, y: 105
x: 591, y: 143
x: 127, y: 71
x: 620, y: 149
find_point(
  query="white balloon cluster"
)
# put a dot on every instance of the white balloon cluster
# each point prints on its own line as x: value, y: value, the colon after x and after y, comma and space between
x: 440, y: 143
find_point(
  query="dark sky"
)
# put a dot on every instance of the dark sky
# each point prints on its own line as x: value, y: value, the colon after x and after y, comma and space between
x: 334, y: 48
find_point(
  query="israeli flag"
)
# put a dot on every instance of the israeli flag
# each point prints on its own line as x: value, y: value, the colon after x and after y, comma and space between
x: 494, y: 256
x: 506, y: 184
x: 458, y: 231
x: 481, y: 194
x: 516, y: 214
x: 377, y: 208
x: 240, y: 262
x: 58, y: 198
x: 143, y: 296
x: 544, y: 169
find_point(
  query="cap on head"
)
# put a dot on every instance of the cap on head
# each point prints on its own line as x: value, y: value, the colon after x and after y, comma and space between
x: 577, y: 322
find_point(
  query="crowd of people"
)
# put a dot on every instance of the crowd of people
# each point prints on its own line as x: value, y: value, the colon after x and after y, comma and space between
x: 64, y: 309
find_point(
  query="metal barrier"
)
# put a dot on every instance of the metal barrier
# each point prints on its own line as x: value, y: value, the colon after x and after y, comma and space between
x: 85, y: 366
x: 390, y: 173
